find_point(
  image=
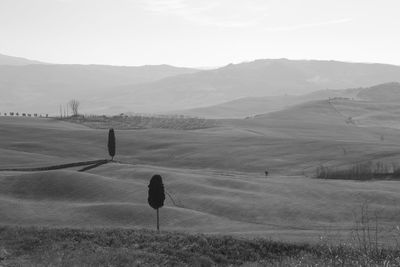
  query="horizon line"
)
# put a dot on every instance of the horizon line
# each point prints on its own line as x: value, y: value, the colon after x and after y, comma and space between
x: 40, y: 62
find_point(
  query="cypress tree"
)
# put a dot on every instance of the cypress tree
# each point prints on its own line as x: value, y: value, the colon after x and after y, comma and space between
x: 111, y: 143
x: 156, y: 195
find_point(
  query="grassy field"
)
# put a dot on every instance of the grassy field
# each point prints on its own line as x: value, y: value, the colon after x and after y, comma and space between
x: 290, y: 142
x: 214, y: 177
x: 122, y: 247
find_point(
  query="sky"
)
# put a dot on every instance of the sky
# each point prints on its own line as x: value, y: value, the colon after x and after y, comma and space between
x: 199, y: 33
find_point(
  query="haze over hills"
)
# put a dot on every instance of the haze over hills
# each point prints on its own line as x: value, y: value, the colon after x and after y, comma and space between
x: 17, y: 61
x: 160, y: 89
x: 214, y: 175
x: 43, y: 87
x: 388, y: 92
x: 258, y: 78
x: 250, y: 106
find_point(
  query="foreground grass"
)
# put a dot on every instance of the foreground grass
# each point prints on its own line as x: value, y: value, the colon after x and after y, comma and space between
x: 121, y: 247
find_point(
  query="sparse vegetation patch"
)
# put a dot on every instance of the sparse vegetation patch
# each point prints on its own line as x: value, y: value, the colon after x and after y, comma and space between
x: 143, y: 122
x: 360, y: 171
x: 122, y: 247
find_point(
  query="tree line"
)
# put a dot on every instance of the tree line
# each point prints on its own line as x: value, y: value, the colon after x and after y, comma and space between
x: 17, y: 114
x: 72, y: 105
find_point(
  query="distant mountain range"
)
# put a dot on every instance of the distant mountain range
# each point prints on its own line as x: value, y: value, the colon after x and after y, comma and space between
x: 32, y: 87
x: 17, y: 61
x: 253, y: 79
x: 163, y: 88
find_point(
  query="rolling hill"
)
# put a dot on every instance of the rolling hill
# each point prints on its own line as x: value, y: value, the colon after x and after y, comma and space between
x: 214, y: 177
x: 116, y: 196
x: 267, y: 77
x: 388, y: 92
x: 159, y: 89
x: 251, y: 106
x: 17, y: 61
x: 382, y: 96
x: 375, y: 106
x: 41, y: 88
x: 207, y: 192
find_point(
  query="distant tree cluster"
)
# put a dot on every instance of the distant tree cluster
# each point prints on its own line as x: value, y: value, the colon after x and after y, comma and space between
x: 360, y: 171
x: 73, y: 106
x: 124, y: 122
x: 17, y: 114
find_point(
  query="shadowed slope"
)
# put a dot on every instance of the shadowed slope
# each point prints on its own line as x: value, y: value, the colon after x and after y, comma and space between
x: 66, y: 185
x: 115, y: 195
x: 301, y: 138
x: 217, y: 176
x: 71, y: 198
x: 90, y: 165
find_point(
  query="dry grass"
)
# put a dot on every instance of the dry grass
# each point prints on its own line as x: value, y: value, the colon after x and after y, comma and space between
x: 216, y: 174
x: 115, y: 195
x: 118, y: 247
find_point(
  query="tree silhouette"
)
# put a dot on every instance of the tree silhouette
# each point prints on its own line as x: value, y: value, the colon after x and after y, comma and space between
x: 111, y: 143
x: 74, y: 104
x: 156, y: 195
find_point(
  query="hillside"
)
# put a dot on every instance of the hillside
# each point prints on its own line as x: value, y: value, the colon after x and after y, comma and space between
x: 17, y: 61
x: 350, y: 117
x: 388, y: 92
x: 240, y: 144
x: 251, y: 106
x: 158, y: 89
x: 42, y: 88
x: 253, y: 79
x: 380, y: 98
x: 282, y: 208
x: 363, y: 107
x: 214, y: 177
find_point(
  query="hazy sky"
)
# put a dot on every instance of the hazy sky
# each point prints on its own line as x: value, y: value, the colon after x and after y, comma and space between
x: 199, y: 32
